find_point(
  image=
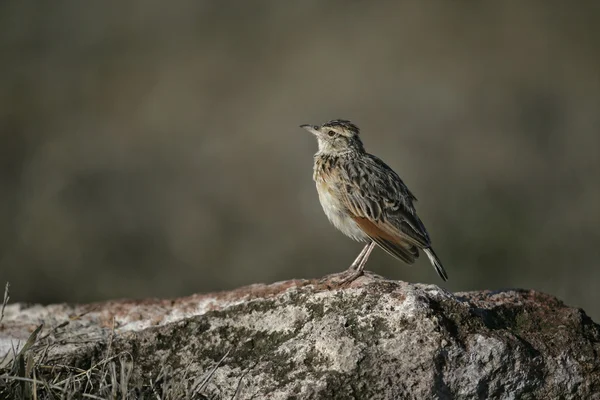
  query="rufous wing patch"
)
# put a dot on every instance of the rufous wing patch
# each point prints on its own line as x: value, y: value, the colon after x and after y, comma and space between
x: 392, y: 244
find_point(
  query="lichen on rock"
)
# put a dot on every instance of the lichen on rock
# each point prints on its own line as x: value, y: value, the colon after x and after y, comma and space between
x: 376, y: 339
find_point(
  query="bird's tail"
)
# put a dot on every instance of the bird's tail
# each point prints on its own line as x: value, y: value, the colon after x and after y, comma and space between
x: 437, y: 264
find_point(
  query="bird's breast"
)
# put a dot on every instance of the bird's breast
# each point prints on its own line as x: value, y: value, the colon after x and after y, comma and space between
x: 336, y: 212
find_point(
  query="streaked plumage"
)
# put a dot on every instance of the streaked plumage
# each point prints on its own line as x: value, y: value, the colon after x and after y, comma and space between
x: 366, y: 199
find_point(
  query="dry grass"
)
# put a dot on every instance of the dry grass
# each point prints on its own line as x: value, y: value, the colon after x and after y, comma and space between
x: 5, y: 301
x: 28, y: 374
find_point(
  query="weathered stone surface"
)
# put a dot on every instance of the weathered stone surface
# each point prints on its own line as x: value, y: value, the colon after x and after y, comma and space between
x: 376, y: 339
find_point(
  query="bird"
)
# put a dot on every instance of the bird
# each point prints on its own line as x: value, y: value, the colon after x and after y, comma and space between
x: 365, y: 199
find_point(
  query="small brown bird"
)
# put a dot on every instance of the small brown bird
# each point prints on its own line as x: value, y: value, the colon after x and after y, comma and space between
x: 366, y: 199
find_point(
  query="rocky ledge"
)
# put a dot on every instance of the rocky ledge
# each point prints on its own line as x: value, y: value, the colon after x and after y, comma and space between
x: 375, y: 339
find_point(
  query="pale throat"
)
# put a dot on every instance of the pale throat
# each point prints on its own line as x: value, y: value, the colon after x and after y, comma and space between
x: 324, y: 146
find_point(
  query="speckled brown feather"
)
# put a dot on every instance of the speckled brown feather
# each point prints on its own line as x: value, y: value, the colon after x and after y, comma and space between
x: 391, y: 244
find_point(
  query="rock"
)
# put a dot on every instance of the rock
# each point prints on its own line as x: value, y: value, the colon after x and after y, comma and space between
x: 376, y: 339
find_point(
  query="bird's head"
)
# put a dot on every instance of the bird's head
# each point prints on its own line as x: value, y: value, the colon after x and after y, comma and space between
x: 336, y: 137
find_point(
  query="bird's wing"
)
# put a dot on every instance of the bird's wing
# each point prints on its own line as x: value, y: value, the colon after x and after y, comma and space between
x: 396, y: 247
x: 382, y: 206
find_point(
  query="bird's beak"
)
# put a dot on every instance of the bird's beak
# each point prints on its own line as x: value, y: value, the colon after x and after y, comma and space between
x: 311, y: 128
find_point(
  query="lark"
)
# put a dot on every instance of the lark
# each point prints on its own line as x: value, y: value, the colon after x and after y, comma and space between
x: 365, y: 199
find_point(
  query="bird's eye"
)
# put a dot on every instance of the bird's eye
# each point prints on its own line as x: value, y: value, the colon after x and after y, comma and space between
x: 331, y: 133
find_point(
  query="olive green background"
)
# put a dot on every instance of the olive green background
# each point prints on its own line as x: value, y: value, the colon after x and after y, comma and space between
x: 152, y: 150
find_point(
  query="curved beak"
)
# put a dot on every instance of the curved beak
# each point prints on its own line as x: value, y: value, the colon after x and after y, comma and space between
x: 314, y: 129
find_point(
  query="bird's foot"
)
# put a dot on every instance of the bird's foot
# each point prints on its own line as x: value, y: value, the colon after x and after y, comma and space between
x: 350, y: 275
x: 343, y: 278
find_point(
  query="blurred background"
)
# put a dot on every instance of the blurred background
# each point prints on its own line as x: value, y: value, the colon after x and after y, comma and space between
x: 149, y: 150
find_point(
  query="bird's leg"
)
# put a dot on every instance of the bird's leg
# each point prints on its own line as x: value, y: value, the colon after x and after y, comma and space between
x: 357, y: 267
x: 363, y: 262
x: 358, y: 259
